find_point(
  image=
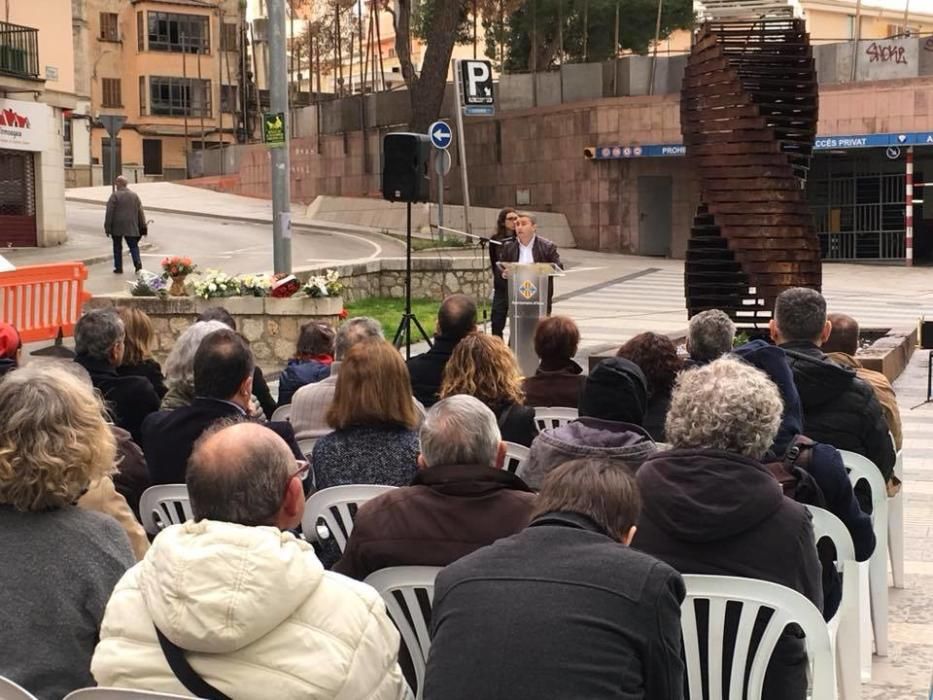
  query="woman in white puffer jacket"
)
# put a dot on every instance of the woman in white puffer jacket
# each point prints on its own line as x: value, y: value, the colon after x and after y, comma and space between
x: 252, y: 607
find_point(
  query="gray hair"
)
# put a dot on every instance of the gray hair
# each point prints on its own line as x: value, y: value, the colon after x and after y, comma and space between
x: 238, y: 472
x: 97, y: 332
x: 800, y: 314
x: 726, y: 405
x: 710, y: 335
x: 179, y: 365
x: 460, y: 430
x: 65, y: 365
x: 353, y: 331
x: 120, y: 182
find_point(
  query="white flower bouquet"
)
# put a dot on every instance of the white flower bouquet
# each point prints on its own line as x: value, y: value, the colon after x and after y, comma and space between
x: 215, y: 284
x: 254, y: 285
x: 326, y: 285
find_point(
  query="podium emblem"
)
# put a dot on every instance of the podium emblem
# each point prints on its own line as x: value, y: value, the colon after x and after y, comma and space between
x: 528, y: 289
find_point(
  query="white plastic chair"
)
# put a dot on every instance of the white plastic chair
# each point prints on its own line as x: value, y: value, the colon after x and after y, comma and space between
x: 399, y: 586
x: 861, y: 468
x: 13, y: 691
x: 333, y: 506
x: 554, y: 416
x: 845, y: 625
x: 121, y: 694
x: 788, y: 607
x: 282, y: 413
x: 896, y: 523
x: 164, y: 505
x: 307, y: 446
x: 515, y: 455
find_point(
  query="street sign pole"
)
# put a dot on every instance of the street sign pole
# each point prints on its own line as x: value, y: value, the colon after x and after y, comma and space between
x: 440, y: 197
x: 461, y: 143
x: 440, y: 134
x: 112, y: 124
x: 278, y: 156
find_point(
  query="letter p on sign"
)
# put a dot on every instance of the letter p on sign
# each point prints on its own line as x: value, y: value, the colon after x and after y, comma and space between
x: 477, y: 82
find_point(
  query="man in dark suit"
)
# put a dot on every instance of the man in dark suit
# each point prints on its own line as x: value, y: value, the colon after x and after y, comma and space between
x: 455, y: 320
x: 526, y: 247
x: 99, y: 337
x: 223, y: 384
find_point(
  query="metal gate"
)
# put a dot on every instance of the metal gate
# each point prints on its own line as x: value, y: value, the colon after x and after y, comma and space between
x: 17, y: 198
x: 858, y: 203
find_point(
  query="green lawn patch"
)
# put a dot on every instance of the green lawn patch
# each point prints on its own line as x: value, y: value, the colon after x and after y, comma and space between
x: 389, y: 312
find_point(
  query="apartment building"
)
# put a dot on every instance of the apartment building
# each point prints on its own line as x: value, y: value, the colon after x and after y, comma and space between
x: 173, y: 69
x: 37, y: 95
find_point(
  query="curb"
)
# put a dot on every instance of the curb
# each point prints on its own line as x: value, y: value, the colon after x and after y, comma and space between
x: 95, y: 259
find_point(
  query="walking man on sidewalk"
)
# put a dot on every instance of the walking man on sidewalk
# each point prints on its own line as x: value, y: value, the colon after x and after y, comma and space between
x: 125, y: 219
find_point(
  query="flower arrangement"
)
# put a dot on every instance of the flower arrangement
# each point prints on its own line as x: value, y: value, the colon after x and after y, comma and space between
x: 216, y: 284
x: 284, y: 286
x: 254, y: 285
x: 148, y: 284
x: 177, y: 266
x: 326, y: 285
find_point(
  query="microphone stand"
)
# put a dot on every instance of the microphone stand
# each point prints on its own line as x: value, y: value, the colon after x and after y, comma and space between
x: 483, y: 242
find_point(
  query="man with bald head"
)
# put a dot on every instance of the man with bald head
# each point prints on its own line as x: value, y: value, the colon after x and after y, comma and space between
x: 125, y: 218
x: 841, y: 347
x: 242, y: 601
x: 456, y: 318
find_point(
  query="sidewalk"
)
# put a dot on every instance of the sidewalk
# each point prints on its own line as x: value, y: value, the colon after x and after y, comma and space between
x: 81, y: 246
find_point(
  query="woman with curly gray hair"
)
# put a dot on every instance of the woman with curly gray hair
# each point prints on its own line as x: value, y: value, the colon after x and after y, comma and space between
x: 60, y: 562
x: 711, y: 507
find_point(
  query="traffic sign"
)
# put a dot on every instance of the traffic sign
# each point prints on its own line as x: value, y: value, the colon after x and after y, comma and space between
x: 441, y: 135
x: 477, y: 82
x: 112, y: 123
x: 442, y: 162
x: 273, y: 129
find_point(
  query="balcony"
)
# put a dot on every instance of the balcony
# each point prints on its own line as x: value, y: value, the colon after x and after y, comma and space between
x: 19, y: 51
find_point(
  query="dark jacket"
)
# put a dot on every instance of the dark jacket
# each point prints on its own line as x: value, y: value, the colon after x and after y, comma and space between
x: 366, y: 455
x: 559, y: 610
x: 448, y: 512
x: 297, y: 374
x: 132, y: 476
x: 656, y: 416
x: 586, y: 437
x: 129, y: 399
x: 262, y: 393
x: 516, y: 423
x: 427, y: 369
x: 125, y: 215
x: 555, y: 387
x: 149, y: 370
x: 542, y: 250
x: 6, y: 365
x: 169, y: 436
x: 718, y: 513
x: 839, y: 408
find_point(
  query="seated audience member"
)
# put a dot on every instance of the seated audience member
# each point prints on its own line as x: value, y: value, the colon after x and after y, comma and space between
x: 822, y: 462
x: 373, y: 419
x: 710, y: 335
x: 612, y: 408
x: 11, y: 348
x: 460, y: 500
x: 179, y: 365
x: 99, y: 346
x: 223, y: 377
x: 311, y: 403
x: 656, y: 355
x: 711, y: 507
x: 455, y: 319
x: 245, y: 602
x: 841, y: 347
x: 260, y: 388
x: 838, y: 408
x: 558, y: 379
x: 60, y: 562
x: 312, y: 360
x: 563, y: 609
x: 137, y: 355
x: 483, y: 366
x: 132, y: 476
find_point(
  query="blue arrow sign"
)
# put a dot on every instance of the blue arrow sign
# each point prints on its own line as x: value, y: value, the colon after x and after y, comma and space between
x: 441, y: 135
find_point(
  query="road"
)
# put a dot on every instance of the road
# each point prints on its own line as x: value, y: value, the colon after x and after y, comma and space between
x: 231, y: 246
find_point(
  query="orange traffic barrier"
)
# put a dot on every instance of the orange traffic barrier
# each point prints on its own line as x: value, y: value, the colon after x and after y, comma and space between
x: 41, y: 300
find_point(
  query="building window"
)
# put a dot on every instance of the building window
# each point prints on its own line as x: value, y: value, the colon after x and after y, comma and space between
x: 177, y: 97
x: 178, y: 33
x: 110, y: 87
x: 109, y: 26
x: 142, y: 95
x: 152, y: 156
x: 228, y: 98
x: 140, y: 32
x: 229, y: 37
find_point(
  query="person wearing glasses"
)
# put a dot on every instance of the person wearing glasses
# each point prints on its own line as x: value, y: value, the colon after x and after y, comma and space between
x: 505, y: 231
x: 232, y: 605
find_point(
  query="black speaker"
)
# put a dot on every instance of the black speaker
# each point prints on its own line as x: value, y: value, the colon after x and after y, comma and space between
x: 405, y: 159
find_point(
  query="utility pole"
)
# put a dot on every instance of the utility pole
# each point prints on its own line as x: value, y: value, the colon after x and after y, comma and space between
x: 278, y: 155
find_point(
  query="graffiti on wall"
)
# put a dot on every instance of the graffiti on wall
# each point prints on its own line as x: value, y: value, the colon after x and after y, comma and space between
x: 886, y: 53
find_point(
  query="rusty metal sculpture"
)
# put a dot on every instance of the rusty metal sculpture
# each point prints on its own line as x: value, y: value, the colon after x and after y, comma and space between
x: 748, y: 115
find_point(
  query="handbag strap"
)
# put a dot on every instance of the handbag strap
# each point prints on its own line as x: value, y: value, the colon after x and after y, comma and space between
x: 188, y: 677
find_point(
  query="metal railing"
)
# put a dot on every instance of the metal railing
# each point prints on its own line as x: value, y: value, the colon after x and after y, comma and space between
x: 19, y: 50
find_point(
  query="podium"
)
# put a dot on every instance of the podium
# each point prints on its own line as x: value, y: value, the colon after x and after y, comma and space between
x: 529, y: 289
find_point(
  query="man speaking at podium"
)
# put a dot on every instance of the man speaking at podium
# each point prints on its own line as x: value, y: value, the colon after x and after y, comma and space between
x: 526, y: 247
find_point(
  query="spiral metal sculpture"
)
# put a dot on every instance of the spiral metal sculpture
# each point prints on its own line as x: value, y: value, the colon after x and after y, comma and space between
x: 748, y: 115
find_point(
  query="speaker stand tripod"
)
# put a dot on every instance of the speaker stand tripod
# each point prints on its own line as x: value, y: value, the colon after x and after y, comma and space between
x: 408, y: 318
